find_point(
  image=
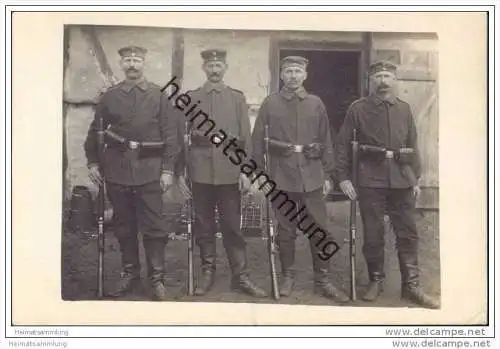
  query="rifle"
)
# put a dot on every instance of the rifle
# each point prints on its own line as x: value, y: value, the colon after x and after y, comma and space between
x: 100, y: 212
x: 271, y: 241
x: 189, y: 210
x: 352, y: 217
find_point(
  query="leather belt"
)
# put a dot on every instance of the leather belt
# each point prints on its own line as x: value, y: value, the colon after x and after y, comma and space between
x: 310, y: 151
x: 400, y: 155
x: 132, y: 144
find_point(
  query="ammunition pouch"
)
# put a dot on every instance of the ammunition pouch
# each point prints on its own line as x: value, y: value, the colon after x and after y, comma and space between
x: 404, y: 156
x: 199, y: 139
x: 313, y: 150
x: 372, y: 153
x: 279, y: 148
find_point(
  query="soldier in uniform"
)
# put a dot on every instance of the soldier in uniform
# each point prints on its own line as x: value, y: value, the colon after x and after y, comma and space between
x: 216, y: 182
x: 389, y: 170
x: 136, y: 173
x: 301, y: 157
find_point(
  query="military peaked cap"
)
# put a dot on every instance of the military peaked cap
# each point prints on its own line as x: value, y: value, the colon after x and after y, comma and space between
x: 379, y: 66
x: 214, y: 55
x: 133, y: 51
x: 294, y: 61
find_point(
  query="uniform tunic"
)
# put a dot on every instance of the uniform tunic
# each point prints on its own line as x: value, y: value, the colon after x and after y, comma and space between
x: 296, y: 118
x: 228, y: 109
x: 214, y: 177
x: 383, y: 185
x: 138, y: 112
x: 387, y: 124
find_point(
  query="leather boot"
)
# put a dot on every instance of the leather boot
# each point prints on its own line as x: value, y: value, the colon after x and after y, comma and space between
x: 287, y: 260
x: 208, y: 263
x: 240, y: 281
x: 131, y: 269
x: 243, y: 284
x: 287, y: 283
x: 410, y: 288
x: 377, y: 277
x: 375, y: 287
x: 130, y: 281
x: 155, y: 257
x: 324, y: 287
x: 205, y: 283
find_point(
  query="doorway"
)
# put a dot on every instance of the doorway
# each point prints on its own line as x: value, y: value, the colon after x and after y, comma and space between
x: 332, y: 75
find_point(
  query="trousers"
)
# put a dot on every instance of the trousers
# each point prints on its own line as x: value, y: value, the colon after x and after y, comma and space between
x: 226, y: 199
x: 137, y: 208
x: 399, y: 204
x: 305, y: 212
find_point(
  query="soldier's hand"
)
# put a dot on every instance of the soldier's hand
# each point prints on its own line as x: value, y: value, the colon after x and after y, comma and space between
x: 95, y: 175
x: 264, y: 184
x: 327, y: 187
x: 183, y: 187
x: 244, y: 184
x: 166, y: 181
x: 348, y: 189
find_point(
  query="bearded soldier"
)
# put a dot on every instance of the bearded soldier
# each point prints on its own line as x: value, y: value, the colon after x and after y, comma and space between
x: 138, y: 163
x: 389, y: 171
x: 216, y: 181
x: 300, y: 165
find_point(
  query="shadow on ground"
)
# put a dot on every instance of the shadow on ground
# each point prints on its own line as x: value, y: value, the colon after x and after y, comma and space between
x: 79, y: 253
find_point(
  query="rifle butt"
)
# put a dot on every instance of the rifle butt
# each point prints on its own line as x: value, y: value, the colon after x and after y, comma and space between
x: 190, y: 255
x: 272, y: 262
x: 352, y: 248
x: 352, y: 254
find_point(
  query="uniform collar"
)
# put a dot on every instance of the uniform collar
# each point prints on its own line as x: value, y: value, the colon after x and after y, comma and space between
x: 128, y: 85
x: 210, y: 86
x: 377, y: 100
x: 300, y: 92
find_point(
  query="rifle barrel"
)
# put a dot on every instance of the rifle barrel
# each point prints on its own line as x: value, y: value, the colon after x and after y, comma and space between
x: 269, y: 225
x: 352, y: 218
x: 189, y: 213
x: 100, y: 215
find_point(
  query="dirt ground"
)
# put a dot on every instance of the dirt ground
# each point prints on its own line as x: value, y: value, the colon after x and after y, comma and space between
x: 79, y: 261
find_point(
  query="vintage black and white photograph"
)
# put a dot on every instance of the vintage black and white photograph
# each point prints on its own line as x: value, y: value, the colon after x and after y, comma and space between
x: 250, y: 166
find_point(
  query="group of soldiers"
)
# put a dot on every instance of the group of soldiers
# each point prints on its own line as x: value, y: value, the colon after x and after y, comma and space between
x: 305, y: 164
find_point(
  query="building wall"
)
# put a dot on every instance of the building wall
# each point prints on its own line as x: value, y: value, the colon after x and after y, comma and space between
x: 249, y: 71
x: 84, y: 80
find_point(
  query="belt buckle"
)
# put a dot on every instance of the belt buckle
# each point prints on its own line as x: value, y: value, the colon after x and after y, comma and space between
x: 389, y: 154
x: 297, y: 148
x: 133, y: 145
